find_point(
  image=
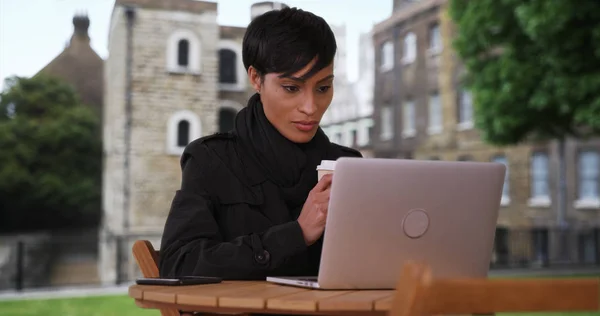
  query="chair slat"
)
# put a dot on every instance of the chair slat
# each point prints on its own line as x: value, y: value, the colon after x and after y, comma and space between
x: 489, y: 296
x: 419, y: 294
x: 147, y: 260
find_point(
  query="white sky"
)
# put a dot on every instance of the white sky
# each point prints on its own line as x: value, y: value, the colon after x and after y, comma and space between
x: 33, y: 32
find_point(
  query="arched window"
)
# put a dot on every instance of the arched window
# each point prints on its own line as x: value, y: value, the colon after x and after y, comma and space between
x: 183, y: 51
x: 226, y: 119
x: 226, y: 115
x: 183, y: 127
x: 183, y: 133
x: 227, y: 66
x: 232, y: 74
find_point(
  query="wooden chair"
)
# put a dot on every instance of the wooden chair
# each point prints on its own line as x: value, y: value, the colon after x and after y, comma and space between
x: 418, y: 294
x: 147, y: 260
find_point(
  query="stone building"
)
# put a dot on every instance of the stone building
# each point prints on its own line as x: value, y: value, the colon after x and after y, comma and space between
x: 422, y: 111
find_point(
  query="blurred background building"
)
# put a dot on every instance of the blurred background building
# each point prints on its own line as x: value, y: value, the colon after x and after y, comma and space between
x: 348, y: 120
x: 422, y: 111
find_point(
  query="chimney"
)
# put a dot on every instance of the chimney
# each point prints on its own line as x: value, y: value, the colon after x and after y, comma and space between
x: 81, y: 24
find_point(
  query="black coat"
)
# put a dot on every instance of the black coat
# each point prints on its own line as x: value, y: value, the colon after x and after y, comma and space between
x: 229, y: 220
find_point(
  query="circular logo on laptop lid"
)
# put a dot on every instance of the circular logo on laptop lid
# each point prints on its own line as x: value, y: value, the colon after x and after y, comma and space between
x: 415, y: 223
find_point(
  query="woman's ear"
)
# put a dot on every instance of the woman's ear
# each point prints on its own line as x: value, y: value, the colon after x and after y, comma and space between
x: 255, y: 78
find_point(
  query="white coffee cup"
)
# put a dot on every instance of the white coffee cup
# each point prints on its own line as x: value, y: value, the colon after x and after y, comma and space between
x: 326, y: 167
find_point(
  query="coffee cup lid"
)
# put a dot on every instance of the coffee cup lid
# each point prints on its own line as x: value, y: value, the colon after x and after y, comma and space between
x: 326, y: 165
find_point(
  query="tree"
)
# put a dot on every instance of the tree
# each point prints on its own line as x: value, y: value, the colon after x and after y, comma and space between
x: 533, y: 70
x: 50, y: 161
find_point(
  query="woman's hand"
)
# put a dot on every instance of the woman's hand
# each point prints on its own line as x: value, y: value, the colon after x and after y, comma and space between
x: 314, y: 212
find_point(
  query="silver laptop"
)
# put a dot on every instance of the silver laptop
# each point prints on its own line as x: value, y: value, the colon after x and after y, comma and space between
x: 383, y: 212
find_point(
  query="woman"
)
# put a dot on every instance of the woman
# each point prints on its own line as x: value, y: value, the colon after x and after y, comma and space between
x: 249, y: 204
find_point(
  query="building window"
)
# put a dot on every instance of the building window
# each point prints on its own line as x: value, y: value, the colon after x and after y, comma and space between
x: 226, y: 119
x: 540, y: 191
x: 334, y: 132
x: 587, y: 241
x: 506, y: 186
x: 182, y: 128
x: 408, y: 119
x: 228, y: 110
x: 227, y: 66
x: 435, y: 114
x: 365, y: 127
x: 232, y: 74
x: 387, y: 56
x: 410, y: 48
x: 183, y: 133
x: 349, y: 132
x: 588, y: 165
x: 387, y: 122
x: 465, y: 110
x: 435, y: 39
x: 183, y: 52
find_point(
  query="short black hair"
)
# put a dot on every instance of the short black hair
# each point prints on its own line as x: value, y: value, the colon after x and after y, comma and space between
x: 285, y: 41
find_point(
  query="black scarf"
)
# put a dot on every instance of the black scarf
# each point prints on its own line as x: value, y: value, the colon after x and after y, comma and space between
x: 289, y: 165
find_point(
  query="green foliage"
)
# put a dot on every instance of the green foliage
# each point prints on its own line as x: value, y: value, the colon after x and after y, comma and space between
x: 50, y: 162
x: 533, y: 66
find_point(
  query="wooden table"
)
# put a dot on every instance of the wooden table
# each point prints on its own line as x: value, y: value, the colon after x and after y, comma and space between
x: 261, y: 297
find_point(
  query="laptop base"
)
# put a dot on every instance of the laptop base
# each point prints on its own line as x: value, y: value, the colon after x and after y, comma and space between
x: 305, y: 282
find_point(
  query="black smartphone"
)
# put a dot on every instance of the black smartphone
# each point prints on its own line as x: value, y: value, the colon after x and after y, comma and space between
x: 183, y: 280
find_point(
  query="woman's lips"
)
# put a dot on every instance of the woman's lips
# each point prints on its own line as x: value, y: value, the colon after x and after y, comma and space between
x: 305, y: 126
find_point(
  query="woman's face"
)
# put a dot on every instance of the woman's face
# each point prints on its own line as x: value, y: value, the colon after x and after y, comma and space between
x: 292, y: 105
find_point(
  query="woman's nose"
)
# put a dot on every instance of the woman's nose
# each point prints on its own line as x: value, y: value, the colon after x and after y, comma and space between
x: 309, y: 106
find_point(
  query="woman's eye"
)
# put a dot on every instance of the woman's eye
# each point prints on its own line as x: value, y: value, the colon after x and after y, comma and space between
x: 324, y: 89
x: 291, y: 88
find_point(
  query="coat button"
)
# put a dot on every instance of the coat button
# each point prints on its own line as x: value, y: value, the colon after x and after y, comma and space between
x: 263, y: 257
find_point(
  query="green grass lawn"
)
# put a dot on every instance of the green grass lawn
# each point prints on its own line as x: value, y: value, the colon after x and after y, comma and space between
x: 122, y: 305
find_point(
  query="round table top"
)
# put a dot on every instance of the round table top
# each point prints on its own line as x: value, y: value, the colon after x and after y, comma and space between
x: 261, y: 297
